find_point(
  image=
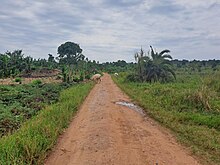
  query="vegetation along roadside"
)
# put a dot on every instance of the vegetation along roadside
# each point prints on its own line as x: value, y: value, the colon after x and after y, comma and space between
x: 29, y: 145
x: 19, y: 103
x: 190, y: 108
x: 186, y: 101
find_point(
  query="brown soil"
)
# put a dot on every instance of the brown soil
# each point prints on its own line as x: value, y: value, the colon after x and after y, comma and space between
x: 11, y: 81
x: 104, y: 133
x: 45, y: 75
x: 44, y: 72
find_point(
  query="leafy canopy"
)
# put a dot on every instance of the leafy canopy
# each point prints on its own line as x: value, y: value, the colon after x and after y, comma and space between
x: 70, y: 53
x: 155, y: 67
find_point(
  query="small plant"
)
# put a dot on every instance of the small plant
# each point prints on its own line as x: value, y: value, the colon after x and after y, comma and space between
x: 132, y: 78
x: 88, y: 76
x: 76, y: 79
x: 81, y: 78
x: 18, y: 79
x: 37, y: 82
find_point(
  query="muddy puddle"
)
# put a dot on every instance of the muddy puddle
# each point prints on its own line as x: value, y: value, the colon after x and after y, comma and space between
x: 131, y: 106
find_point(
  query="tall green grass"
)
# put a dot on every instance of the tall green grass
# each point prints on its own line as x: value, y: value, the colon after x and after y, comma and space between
x: 189, y: 107
x: 29, y: 145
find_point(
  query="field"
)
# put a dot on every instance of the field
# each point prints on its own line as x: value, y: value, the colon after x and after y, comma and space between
x: 190, y: 107
x: 21, y: 102
x: 30, y: 144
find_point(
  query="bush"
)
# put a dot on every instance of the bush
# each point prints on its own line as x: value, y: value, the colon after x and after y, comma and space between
x: 87, y: 77
x: 81, y: 78
x: 76, y: 79
x: 18, y: 79
x: 132, y: 78
x: 37, y: 82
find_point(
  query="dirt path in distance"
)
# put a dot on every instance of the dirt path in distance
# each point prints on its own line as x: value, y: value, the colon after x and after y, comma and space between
x: 104, y: 133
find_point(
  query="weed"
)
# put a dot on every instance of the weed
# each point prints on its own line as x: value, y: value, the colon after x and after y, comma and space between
x: 18, y: 79
x: 37, y: 82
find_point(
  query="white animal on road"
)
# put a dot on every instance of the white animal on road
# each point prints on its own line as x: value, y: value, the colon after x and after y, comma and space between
x: 96, y: 78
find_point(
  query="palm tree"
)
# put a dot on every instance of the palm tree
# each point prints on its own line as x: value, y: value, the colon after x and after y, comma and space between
x: 141, y: 59
x: 155, y: 67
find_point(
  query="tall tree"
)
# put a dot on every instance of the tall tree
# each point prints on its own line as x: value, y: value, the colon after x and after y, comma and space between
x: 155, y: 67
x: 159, y: 67
x: 69, y: 53
x: 141, y: 59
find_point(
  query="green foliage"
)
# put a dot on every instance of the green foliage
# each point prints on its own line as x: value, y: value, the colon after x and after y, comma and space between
x: 14, y: 63
x: 132, y: 77
x: 154, y: 68
x: 30, y: 144
x: 19, y: 103
x: 70, y: 53
x: 116, y: 67
x: 81, y: 78
x: 88, y: 77
x: 190, y: 107
x: 18, y: 79
x: 76, y: 79
x: 37, y: 82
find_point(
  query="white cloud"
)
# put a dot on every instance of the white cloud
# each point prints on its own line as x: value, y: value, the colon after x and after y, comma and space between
x: 108, y: 30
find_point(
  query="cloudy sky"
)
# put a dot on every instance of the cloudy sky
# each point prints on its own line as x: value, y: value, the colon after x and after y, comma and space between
x: 108, y: 30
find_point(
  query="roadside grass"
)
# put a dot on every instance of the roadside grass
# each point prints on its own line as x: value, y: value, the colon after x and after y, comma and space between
x: 189, y: 107
x: 30, y: 144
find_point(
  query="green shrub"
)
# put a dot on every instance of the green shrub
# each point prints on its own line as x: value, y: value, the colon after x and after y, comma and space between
x: 88, y: 77
x: 76, y: 79
x: 37, y: 82
x: 132, y: 78
x: 18, y: 79
x: 81, y: 78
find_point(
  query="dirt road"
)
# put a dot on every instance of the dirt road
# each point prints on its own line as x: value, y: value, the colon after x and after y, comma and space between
x: 104, y: 133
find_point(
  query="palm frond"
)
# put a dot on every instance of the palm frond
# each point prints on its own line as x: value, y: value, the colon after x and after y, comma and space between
x: 167, y: 56
x: 164, y: 51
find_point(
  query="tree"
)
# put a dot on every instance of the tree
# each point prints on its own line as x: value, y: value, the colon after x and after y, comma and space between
x: 51, y: 58
x: 155, y: 67
x: 69, y: 53
x: 15, y: 62
x: 4, y: 65
x: 141, y: 59
x: 11, y: 63
x: 51, y: 61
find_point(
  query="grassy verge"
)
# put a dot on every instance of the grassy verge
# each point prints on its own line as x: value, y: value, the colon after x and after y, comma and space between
x: 29, y: 145
x: 187, y: 108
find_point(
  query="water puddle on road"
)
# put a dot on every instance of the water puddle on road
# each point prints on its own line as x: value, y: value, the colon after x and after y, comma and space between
x: 131, y: 106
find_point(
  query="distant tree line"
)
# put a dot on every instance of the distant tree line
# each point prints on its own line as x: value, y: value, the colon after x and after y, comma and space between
x: 70, y: 60
x: 197, y: 65
x: 14, y: 63
x: 151, y: 66
x: 160, y: 67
